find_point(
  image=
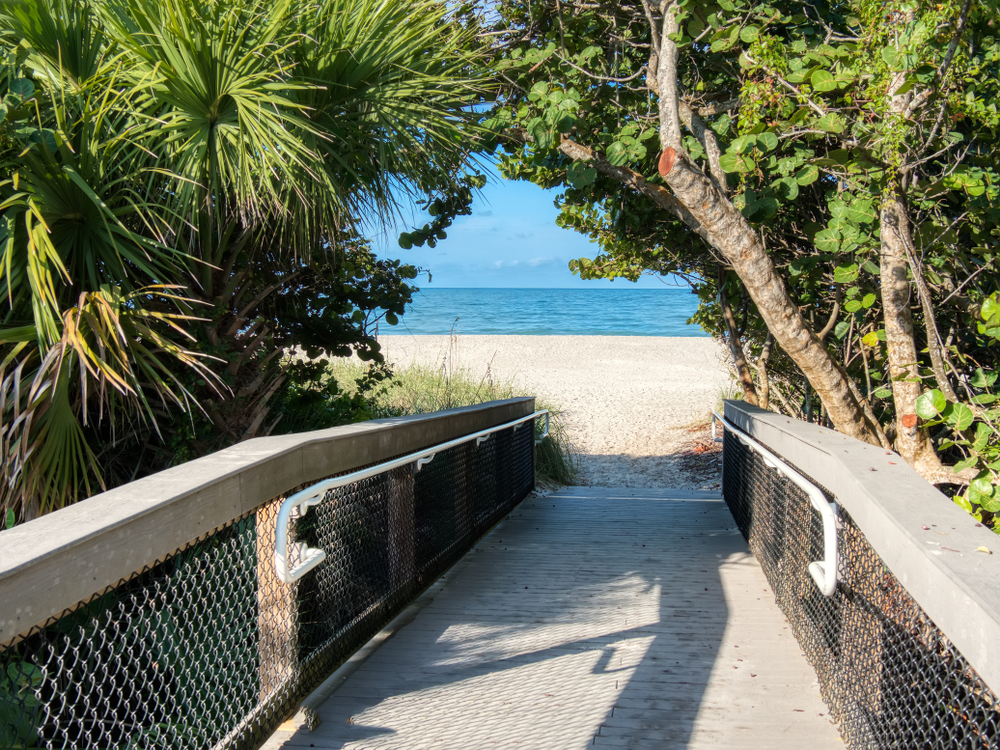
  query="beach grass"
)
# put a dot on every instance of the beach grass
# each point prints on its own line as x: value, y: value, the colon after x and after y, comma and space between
x: 420, y: 389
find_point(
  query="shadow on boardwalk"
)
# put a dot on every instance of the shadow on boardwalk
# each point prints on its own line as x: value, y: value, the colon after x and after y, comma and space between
x: 591, y: 617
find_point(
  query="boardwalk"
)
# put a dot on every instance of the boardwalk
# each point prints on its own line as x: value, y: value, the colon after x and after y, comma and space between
x: 591, y: 617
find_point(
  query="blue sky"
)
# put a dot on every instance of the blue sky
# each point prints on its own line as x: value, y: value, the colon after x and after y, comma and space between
x: 510, y: 241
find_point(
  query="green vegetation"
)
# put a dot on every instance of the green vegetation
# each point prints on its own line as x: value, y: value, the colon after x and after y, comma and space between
x: 418, y: 389
x: 181, y: 183
x: 822, y: 173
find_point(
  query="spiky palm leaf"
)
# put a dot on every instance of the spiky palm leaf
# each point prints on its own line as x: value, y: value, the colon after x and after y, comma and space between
x: 155, y: 152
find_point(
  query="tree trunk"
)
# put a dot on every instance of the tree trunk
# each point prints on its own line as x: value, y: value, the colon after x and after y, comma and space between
x: 739, y: 244
x: 736, y: 345
x: 711, y: 216
x: 913, y: 442
x: 762, y: 376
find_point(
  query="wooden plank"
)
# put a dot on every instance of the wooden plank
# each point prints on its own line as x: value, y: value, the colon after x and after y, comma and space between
x: 561, y: 630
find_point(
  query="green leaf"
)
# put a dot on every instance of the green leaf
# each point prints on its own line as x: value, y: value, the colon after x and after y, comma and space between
x: 391, y: 318
x: 982, y: 486
x: 827, y: 241
x: 744, y: 144
x: 767, y: 141
x: 787, y: 188
x: 759, y: 206
x: 823, y: 81
x: 617, y: 154
x: 46, y: 137
x: 9, y: 520
x: 966, y: 463
x: 889, y: 55
x: 581, y: 174
x: 990, y: 504
x: 539, y: 90
x: 958, y: 416
x: 852, y: 305
x: 845, y: 274
x: 831, y: 123
x: 22, y: 88
x: 733, y: 163
x: 405, y: 241
x: 883, y: 392
x: 868, y: 300
x: 861, y: 212
x: 963, y: 502
x: 982, y: 438
x: 749, y: 33
x: 807, y: 175
x: 931, y: 404
x: 982, y: 379
x: 990, y: 315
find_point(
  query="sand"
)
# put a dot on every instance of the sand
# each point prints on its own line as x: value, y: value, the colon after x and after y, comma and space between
x: 635, y: 408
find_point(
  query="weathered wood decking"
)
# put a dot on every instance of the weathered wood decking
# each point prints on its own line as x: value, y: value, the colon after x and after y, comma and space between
x: 590, y: 617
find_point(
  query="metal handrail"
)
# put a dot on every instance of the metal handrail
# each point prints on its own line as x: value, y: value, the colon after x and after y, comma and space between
x: 298, y: 504
x: 823, y: 572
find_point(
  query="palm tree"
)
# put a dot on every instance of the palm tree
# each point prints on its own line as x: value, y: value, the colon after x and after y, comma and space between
x: 180, y: 181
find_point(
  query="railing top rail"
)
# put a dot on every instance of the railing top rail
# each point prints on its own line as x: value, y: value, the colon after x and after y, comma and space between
x: 928, y: 543
x: 53, y: 562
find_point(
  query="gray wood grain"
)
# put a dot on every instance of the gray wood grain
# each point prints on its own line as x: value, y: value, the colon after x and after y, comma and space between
x: 589, y: 618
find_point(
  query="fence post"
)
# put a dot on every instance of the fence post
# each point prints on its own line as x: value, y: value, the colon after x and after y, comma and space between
x: 276, y: 608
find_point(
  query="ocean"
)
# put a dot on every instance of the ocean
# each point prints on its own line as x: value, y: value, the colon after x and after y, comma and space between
x: 549, y: 312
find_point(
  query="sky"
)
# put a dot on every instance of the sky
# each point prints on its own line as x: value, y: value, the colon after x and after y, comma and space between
x: 510, y: 241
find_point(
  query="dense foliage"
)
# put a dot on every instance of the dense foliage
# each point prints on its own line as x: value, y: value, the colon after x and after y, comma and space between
x: 181, y: 183
x: 822, y: 173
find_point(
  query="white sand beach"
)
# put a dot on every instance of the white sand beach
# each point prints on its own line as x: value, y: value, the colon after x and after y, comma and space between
x: 633, y: 406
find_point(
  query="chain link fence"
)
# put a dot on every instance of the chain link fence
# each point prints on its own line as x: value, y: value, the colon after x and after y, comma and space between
x: 207, y: 648
x: 891, y: 678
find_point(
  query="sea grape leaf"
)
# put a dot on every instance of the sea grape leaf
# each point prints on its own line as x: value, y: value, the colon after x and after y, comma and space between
x: 787, y: 188
x: 931, y: 404
x: 827, y: 241
x: 617, y: 153
x: 21, y: 88
x: 831, y: 123
x: 767, y: 141
x: 982, y: 379
x: 824, y: 81
x: 846, y: 273
x: 581, y: 174
x: 966, y: 463
x: 861, y: 212
x: 958, y: 416
x: 734, y: 163
x: 807, y: 175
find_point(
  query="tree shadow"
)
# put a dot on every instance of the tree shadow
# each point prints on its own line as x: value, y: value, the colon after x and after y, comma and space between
x: 578, y: 622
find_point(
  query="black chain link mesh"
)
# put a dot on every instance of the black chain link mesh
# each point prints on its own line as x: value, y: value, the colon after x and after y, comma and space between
x: 891, y: 678
x: 207, y: 648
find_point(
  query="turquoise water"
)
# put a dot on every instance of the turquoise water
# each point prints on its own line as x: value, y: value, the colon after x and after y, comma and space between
x: 550, y: 312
